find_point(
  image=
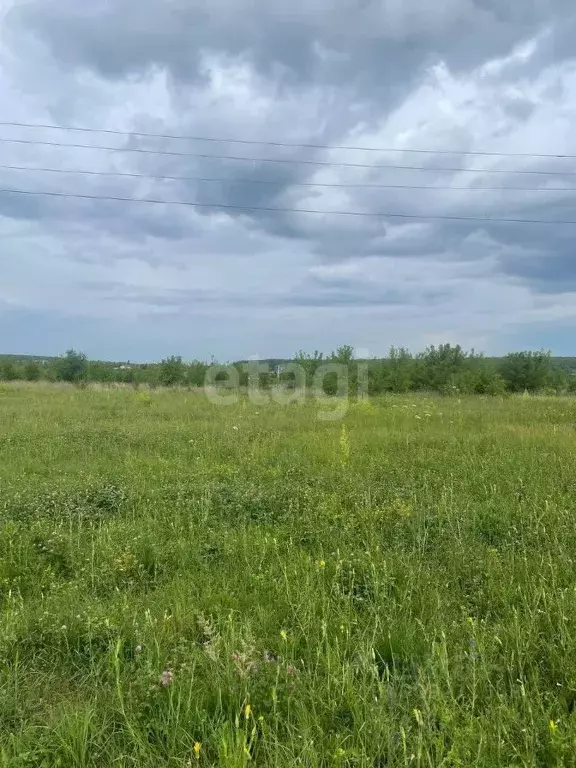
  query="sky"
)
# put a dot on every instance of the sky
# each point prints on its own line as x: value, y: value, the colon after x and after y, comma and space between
x: 288, y: 88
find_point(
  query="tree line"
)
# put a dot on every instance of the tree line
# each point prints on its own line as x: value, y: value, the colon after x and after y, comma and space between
x: 447, y: 369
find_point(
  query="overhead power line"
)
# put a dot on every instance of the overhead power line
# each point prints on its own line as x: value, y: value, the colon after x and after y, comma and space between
x: 225, y: 206
x: 260, y: 142
x: 208, y: 179
x: 297, y: 161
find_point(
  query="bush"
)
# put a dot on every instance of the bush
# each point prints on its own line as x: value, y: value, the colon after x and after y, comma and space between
x: 8, y: 371
x: 496, y: 386
x: 32, y: 371
x: 526, y: 371
x: 72, y: 367
x: 172, y: 371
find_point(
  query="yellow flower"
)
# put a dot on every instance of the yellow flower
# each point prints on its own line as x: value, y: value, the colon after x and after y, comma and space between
x: 283, y: 635
x: 553, y: 726
x: 247, y: 711
x: 197, y: 748
x: 321, y: 564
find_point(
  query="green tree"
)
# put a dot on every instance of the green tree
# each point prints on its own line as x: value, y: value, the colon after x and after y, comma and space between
x: 443, y: 366
x: 496, y: 386
x: 98, y: 371
x: 526, y: 370
x: 72, y: 367
x: 558, y: 381
x: 343, y: 355
x: 32, y: 371
x: 126, y: 375
x: 309, y: 364
x: 172, y: 371
x: 196, y: 373
x: 400, y: 371
x: 8, y: 370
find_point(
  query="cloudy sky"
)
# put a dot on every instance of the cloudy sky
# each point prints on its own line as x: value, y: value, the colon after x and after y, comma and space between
x: 301, y: 80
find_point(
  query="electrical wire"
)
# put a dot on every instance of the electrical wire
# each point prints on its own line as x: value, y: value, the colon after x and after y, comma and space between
x: 260, y: 142
x: 208, y: 156
x: 202, y: 179
x: 226, y: 206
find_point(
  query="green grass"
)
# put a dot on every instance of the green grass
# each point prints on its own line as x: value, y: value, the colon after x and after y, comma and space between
x: 394, y: 589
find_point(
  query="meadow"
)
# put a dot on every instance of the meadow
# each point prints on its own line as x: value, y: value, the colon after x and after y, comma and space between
x: 184, y: 583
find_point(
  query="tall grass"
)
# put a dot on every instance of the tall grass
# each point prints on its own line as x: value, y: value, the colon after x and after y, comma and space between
x: 185, y: 584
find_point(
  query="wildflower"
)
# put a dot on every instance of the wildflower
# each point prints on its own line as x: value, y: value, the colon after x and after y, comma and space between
x: 167, y: 678
x: 247, y: 711
x: 553, y: 726
x: 138, y: 649
x: 321, y: 564
x: 283, y: 635
x: 197, y: 748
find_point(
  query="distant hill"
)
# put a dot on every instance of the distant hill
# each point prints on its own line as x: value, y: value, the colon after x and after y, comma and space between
x: 567, y: 364
x: 28, y: 358
x: 273, y: 362
x: 44, y: 359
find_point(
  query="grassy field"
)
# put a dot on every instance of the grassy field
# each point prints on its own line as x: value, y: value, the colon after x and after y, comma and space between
x: 188, y: 584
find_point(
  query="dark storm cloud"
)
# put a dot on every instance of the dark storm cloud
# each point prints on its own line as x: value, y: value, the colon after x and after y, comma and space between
x: 367, y: 41
x: 133, y: 221
x: 446, y: 75
x: 370, y: 53
x: 550, y: 272
x: 314, y: 292
x: 351, y: 292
